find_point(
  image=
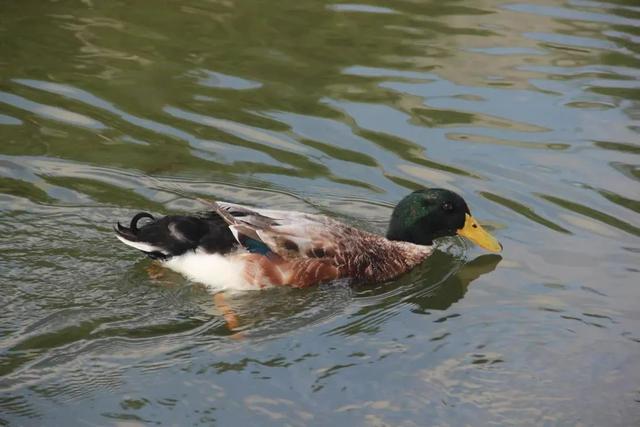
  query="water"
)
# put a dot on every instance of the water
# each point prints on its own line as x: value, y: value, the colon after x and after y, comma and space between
x: 531, y: 110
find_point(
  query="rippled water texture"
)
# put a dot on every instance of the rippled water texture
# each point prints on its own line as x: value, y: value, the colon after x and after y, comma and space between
x: 531, y: 110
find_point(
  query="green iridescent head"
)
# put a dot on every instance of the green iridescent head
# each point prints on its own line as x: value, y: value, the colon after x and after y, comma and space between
x: 430, y: 213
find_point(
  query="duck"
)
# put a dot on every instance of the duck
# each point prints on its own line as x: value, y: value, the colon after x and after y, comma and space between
x: 232, y: 246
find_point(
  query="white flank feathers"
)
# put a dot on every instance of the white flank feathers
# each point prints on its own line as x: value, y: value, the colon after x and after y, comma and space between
x: 214, y: 270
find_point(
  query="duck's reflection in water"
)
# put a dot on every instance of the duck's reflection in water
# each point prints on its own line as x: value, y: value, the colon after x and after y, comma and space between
x: 435, y: 286
x: 454, y: 287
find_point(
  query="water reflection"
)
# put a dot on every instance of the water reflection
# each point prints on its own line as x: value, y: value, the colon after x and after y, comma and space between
x: 454, y: 287
x: 436, y: 285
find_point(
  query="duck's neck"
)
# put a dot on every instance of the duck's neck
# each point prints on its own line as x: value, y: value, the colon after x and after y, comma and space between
x: 406, y: 235
x: 404, y: 231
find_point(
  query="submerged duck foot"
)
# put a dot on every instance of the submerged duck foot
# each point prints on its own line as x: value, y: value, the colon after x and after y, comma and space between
x: 227, y: 312
x: 155, y: 271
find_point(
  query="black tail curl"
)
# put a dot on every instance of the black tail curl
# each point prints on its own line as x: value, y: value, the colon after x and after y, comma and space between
x: 174, y: 235
x: 132, y: 230
x: 133, y: 226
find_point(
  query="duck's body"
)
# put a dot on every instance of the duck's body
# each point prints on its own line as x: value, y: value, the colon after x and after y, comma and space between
x: 237, y: 247
x: 244, y: 248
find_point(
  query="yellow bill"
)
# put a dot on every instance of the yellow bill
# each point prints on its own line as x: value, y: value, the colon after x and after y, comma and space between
x: 478, y: 235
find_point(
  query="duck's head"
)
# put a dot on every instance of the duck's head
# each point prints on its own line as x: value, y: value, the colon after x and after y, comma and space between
x: 430, y: 213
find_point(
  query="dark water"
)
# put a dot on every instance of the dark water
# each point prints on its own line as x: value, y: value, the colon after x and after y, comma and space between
x: 531, y: 110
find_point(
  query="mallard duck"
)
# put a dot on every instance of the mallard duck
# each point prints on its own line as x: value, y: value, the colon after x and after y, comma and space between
x: 239, y: 247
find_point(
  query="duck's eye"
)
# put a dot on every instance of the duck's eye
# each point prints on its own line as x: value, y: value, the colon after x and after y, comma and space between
x: 447, y: 206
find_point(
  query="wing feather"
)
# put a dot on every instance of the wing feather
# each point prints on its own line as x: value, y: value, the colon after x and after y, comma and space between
x: 288, y: 234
